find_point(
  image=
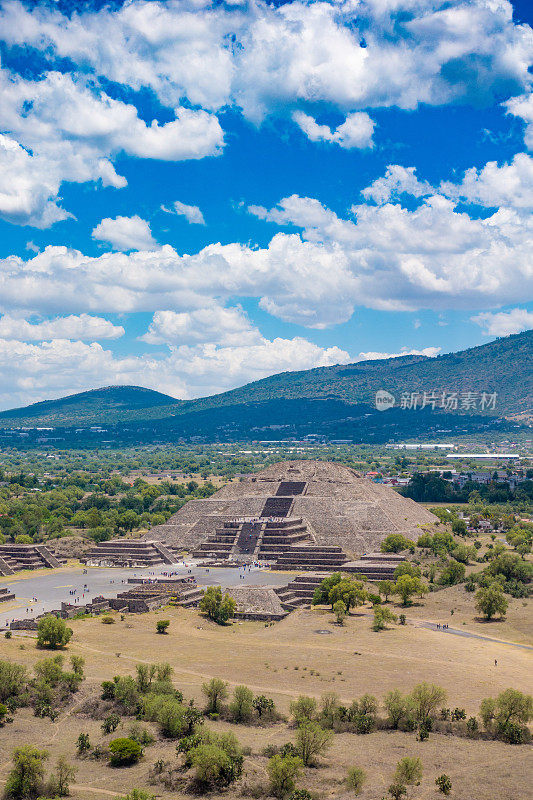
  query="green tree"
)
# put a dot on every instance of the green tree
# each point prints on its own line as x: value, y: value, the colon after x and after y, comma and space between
x: 303, y: 709
x: 321, y: 593
x: 124, y: 752
x: 339, y: 609
x: 491, y: 600
x: 312, y: 741
x: 26, y: 777
x: 219, y: 608
x: 216, y: 691
x: 355, y: 779
x: 283, y: 772
x: 162, y: 625
x: 381, y: 617
x: 52, y: 632
x: 398, y: 707
x: 242, y: 705
x: 110, y: 723
x: 352, y: 593
x: 407, y: 586
x: 425, y: 698
x: 12, y: 681
x: 386, y: 588
x: 212, y: 764
x: 395, y: 543
x: 60, y: 780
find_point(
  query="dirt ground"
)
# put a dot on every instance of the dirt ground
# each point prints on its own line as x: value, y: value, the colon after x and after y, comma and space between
x: 284, y: 660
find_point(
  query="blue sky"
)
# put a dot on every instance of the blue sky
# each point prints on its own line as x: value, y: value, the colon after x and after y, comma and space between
x: 196, y: 195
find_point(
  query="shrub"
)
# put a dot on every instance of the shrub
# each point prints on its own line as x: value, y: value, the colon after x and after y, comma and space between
x: 216, y: 691
x: 321, y: 593
x: 107, y: 619
x: 242, y: 705
x: 398, y: 707
x: 264, y: 706
x: 217, y: 758
x: 126, y: 694
x: 59, y: 782
x: 425, y: 698
x: 472, y: 726
x: 111, y: 723
x: 217, y: 607
x: 162, y: 625
x: 137, y: 794
x: 283, y: 772
x: 395, y: 543
x: 339, y: 609
x: 12, y: 681
x: 381, y: 617
x: 83, y: 744
x: 303, y: 709
x: 7, y: 635
x: 26, y: 778
x: 408, y: 771
x: 355, y: 779
x: 397, y: 791
x: 312, y: 741
x: 124, y: 752
x: 52, y: 632
x: 444, y: 784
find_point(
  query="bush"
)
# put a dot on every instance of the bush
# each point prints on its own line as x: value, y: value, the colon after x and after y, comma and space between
x: 52, y: 632
x: 59, y: 782
x: 217, y: 758
x: 425, y: 698
x: 110, y: 723
x: 162, y: 625
x: 26, y: 778
x: 83, y: 744
x: 444, y: 784
x: 395, y: 543
x: 124, y: 752
x: 381, y: 617
x: 355, y: 779
x: 312, y: 741
x: 303, y: 709
x: 242, y: 705
x: 107, y: 619
x: 217, y: 607
x: 216, y: 691
x: 339, y: 609
x: 12, y: 681
x: 283, y: 772
x: 408, y: 771
x: 398, y: 707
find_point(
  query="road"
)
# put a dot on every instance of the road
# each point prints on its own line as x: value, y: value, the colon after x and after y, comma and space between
x: 55, y: 586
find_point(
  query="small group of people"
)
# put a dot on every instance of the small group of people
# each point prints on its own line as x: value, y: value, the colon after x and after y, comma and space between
x: 440, y: 626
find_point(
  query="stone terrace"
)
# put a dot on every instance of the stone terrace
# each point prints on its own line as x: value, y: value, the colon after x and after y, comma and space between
x: 14, y: 557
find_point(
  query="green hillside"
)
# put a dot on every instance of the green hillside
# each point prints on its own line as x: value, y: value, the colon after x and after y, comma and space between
x: 109, y: 404
x: 503, y: 366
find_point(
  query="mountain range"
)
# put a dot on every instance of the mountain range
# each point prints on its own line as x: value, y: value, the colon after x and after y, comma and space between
x: 491, y: 382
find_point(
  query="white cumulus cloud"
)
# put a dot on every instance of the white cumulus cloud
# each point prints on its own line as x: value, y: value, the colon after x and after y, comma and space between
x: 356, y: 131
x: 84, y: 326
x: 125, y: 233
x: 192, y: 213
x: 503, y: 323
x: 223, y: 326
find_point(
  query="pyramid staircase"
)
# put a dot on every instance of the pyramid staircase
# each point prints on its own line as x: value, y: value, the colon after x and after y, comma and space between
x: 14, y: 557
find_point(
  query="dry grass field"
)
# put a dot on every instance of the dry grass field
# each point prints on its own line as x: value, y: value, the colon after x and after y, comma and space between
x: 283, y: 661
